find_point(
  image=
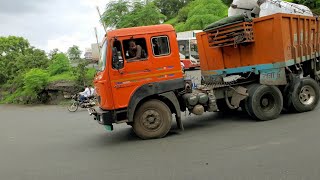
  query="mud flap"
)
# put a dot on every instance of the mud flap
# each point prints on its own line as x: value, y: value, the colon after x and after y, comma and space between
x: 173, y: 98
x: 179, y: 123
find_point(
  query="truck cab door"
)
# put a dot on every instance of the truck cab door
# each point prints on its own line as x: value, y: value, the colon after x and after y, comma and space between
x: 129, y: 75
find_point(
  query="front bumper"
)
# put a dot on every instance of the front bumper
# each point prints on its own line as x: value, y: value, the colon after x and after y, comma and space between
x: 101, y: 116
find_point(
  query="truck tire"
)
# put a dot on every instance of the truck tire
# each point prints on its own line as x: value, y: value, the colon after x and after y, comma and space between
x: 265, y: 102
x: 152, y: 120
x: 305, y: 95
x: 245, y: 105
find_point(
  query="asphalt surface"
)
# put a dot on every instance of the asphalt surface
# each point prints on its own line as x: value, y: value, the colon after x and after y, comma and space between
x: 49, y: 143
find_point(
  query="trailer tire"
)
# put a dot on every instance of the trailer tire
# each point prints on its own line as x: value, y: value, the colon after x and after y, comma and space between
x: 152, y: 120
x: 305, y: 95
x: 265, y: 102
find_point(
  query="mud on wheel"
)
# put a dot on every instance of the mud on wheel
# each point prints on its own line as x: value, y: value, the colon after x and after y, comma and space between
x: 152, y: 120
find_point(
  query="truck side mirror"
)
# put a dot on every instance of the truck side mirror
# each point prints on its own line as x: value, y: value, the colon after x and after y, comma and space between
x: 115, y: 58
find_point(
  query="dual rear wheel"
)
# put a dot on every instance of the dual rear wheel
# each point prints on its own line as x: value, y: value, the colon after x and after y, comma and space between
x: 266, y: 102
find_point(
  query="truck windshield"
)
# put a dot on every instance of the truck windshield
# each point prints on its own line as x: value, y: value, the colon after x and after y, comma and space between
x: 102, y: 60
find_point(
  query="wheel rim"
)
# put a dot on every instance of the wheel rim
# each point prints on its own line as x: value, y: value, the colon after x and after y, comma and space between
x: 307, y: 95
x: 267, y: 102
x: 151, y: 120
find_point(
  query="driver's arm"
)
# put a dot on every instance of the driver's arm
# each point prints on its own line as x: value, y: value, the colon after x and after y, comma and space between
x: 138, y: 55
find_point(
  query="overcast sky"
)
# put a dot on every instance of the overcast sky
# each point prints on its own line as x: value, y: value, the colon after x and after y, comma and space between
x: 49, y: 24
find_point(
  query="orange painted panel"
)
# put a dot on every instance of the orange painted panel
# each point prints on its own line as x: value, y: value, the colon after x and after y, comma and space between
x: 277, y: 38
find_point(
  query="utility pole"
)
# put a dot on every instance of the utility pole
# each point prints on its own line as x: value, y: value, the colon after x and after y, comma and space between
x: 96, y: 33
x: 105, y: 29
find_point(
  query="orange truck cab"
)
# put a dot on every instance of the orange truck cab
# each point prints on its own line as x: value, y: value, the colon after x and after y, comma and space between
x: 123, y: 84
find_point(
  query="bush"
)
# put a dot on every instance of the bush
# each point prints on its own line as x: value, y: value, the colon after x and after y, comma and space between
x: 66, y: 76
x: 90, y: 75
x: 35, y: 80
x: 59, y: 64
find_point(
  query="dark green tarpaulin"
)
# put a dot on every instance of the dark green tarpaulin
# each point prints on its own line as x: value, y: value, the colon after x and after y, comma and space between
x: 227, y: 21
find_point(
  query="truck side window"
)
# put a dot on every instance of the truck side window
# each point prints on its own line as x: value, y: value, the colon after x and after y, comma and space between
x: 135, y: 49
x: 117, y: 44
x: 160, y: 46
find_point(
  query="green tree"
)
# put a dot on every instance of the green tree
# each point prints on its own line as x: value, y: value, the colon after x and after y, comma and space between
x: 199, y: 13
x: 142, y: 15
x: 122, y: 14
x: 74, y: 53
x: 170, y: 8
x: 80, y: 73
x: 17, y: 57
x: 114, y: 12
x: 53, y: 52
x: 35, y: 81
x: 59, y: 64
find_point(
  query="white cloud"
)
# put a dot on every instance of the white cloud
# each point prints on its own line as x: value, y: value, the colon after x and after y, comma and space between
x: 52, y: 24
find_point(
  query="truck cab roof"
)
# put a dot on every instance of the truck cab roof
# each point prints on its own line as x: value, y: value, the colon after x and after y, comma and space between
x: 140, y: 30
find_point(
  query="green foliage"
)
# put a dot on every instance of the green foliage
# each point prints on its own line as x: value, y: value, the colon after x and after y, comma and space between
x: 80, y: 73
x: 74, y: 53
x: 59, y: 64
x: 90, y: 75
x: 33, y: 83
x: 227, y: 2
x: 199, y: 13
x: 66, y: 76
x: 35, y: 80
x: 169, y: 7
x: 17, y: 57
x: 53, y: 52
x: 312, y: 4
x: 123, y: 13
x: 25, y: 71
x: 114, y: 12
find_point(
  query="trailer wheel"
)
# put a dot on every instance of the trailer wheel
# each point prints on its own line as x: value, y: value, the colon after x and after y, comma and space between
x: 305, y: 95
x: 152, y: 120
x: 265, y: 102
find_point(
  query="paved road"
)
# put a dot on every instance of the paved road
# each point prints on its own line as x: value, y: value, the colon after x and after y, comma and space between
x: 49, y: 143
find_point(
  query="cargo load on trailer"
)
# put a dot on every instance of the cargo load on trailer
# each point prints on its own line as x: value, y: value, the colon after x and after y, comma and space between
x: 261, y: 8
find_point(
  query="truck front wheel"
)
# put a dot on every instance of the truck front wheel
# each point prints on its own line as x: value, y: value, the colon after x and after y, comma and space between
x: 152, y: 120
x: 264, y: 102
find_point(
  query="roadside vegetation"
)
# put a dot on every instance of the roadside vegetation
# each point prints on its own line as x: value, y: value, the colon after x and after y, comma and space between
x: 184, y: 15
x: 25, y: 71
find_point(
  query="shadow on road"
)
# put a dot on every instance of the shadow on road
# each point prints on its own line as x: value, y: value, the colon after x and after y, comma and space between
x: 192, y: 124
